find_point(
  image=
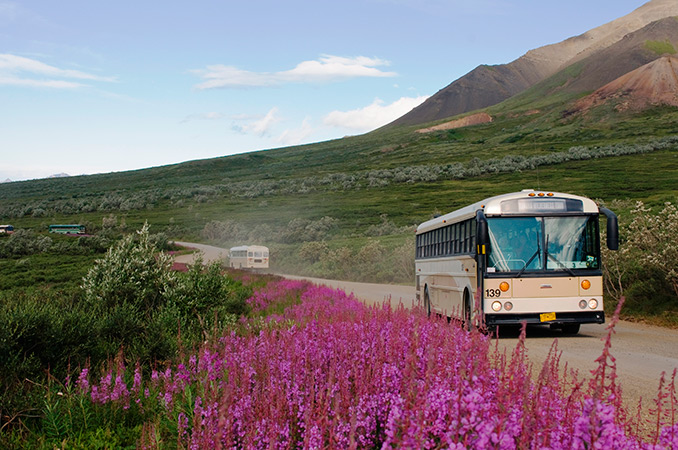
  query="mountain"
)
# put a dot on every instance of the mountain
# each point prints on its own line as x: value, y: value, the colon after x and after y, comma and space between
x: 488, y: 85
x: 636, y: 49
x: 653, y: 84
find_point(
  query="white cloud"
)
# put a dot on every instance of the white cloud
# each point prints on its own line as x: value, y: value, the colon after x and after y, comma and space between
x: 372, y: 116
x: 21, y: 71
x: 326, y: 69
x: 26, y: 82
x: 260, y: 126
x: 296, y: 136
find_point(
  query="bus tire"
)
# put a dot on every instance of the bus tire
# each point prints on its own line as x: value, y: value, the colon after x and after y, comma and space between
x: 571, y: 328
x: 467, y: 310
x: 427, y: 302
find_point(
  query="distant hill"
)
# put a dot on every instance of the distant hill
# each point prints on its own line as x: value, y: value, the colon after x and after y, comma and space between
x: 636, y: 49
x: 488, y: 85
x: 653, y: 84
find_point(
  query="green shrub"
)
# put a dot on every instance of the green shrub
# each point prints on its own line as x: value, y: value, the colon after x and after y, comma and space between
x: 131, y: 306
x: 132, y: 272
x: 43, y: 331
x: 24, y: 242
x: 206, y: 295
x: 645, y: 268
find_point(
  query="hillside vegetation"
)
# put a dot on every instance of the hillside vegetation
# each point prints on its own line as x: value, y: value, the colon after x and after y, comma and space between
x: 319, y: 206
x: 394, y: 171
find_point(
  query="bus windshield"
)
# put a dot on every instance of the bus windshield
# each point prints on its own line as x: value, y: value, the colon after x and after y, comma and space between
x: 537, y: 244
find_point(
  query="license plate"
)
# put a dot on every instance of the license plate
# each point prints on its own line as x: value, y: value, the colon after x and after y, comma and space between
x: 546, y: 317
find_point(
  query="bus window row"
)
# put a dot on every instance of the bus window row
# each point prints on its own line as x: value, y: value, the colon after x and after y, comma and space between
x: 455, y: 239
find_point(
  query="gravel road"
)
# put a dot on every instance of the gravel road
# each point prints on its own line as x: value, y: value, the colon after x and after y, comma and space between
x: 642, y: 351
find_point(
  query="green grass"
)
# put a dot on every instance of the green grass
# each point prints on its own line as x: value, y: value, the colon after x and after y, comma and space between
x: 52, y: 270
x: 660, y: 47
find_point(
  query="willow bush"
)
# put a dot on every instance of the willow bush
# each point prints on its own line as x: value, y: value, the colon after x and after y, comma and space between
x: 645, y: 268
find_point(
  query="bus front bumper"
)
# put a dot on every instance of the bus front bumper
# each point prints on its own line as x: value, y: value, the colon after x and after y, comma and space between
x: 536, y: 318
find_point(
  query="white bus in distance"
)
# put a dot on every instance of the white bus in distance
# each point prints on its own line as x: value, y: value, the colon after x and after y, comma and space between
x: 248, y: 257
x: 529, y: 256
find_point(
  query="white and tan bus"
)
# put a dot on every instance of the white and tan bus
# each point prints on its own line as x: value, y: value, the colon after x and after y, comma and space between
x: 529, y: 256
x: 248, y: 257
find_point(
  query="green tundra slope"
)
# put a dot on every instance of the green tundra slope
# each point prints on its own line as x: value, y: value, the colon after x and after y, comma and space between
x: 394, y: 171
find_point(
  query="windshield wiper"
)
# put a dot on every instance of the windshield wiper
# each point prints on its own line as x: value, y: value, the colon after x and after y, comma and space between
x: 547, y: 256
x: 529, y: 261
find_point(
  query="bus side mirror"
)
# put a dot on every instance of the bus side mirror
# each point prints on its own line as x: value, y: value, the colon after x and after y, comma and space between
x: 482, y: 232
x: 612, y: 229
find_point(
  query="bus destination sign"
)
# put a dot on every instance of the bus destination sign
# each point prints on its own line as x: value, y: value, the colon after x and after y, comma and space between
x: 541, y: 205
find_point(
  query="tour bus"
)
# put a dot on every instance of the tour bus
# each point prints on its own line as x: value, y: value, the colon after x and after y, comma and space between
x: 529, y: 256
x: 67, y: 229
x: 249, y: 257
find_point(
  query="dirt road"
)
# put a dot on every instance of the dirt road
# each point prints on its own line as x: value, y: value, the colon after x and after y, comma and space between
x: 642, y: 351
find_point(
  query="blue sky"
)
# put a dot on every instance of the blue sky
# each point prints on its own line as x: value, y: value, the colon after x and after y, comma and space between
x: 90, y: 86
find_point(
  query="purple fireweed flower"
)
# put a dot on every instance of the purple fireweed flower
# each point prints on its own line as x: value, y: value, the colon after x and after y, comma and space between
x: 166, y: 400
x: 102, y: 393
x: 83, y: 381
x: 137, y: 379
x: 596, y: 428
x: 182, y: 429
x: 120, y: 391
x: 668, y: 437
x: 331, y: 372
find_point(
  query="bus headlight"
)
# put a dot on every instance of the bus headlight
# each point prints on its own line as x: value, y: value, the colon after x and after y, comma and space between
x: 593, y: 303
x: 583, y: 304
x: 586, y: 284
x: 504, y: 286
x: 496, y: 306
x: 508, y: 306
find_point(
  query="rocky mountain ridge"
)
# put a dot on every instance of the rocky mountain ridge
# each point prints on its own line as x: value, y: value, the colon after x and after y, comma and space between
x: 488, y: 85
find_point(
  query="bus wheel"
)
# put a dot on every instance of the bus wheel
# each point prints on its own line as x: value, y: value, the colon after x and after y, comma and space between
x: 571, y: 328
x: 467, y: 311
x: 427, y: 302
